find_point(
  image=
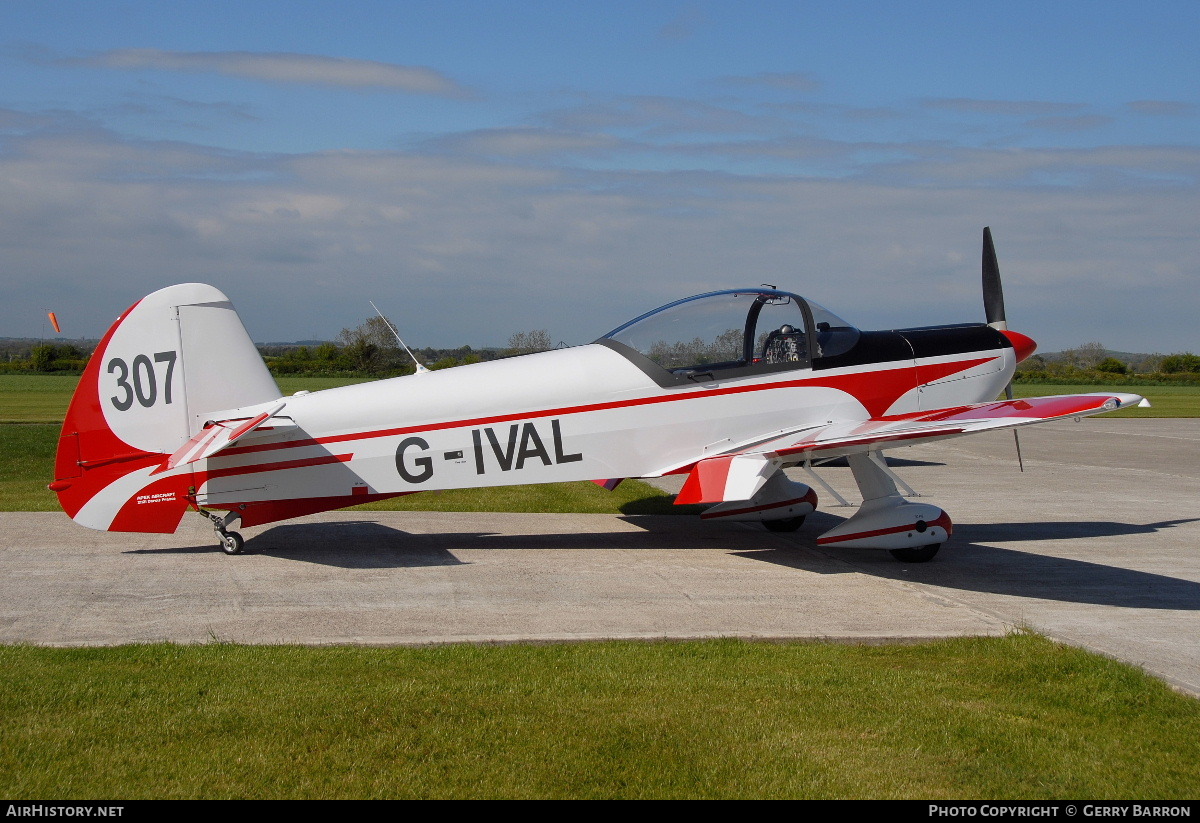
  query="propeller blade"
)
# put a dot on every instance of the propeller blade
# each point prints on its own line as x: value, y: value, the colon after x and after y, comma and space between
x: 993, y: 293
x: 993, y: 310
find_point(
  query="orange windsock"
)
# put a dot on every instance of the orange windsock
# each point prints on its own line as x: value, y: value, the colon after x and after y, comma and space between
x: 54, y: 322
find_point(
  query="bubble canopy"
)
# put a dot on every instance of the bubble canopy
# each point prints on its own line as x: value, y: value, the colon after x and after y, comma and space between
x: 737, y: 331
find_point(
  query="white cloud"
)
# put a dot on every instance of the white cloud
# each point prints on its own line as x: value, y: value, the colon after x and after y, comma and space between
x: 464, y: 251
x: 783, y: 81
x: 1007, y: 108
x: 524, y: 142
x: 661, y: 116
x: 283, y: 67
x: 1162, y: 108
x: 1070, y: 123
x: 684, y: 25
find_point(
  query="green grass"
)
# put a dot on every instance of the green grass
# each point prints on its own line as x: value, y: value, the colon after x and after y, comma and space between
x: 35, y: 398
x: 26, y: 466
x: 631, y: 497
x: 990, y: 718
x: 1165, y: 401
x: 43, y: 398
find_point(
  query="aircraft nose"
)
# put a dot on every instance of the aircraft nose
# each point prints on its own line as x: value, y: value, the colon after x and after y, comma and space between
x: 1024, y: 345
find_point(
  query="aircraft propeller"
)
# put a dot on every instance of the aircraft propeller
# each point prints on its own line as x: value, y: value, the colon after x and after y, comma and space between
x: 993, y: 309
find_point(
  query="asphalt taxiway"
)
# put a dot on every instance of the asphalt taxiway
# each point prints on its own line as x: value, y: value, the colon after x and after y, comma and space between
x: 1096, y: 543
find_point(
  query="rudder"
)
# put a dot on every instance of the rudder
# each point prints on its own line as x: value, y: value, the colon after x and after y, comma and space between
x: 170, y: 360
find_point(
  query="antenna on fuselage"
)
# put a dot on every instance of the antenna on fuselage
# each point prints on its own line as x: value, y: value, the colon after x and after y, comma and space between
x: 420, y: 369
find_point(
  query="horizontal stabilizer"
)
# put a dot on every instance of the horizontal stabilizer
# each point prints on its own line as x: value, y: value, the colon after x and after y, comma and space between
x: 215, y: 437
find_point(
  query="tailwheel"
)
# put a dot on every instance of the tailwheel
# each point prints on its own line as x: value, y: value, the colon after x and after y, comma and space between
x: 919, y: 554
x: 788, y: 524
x: 232, y: 543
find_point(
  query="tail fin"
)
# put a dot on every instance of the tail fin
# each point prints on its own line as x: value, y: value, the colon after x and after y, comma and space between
x: 171, y: 359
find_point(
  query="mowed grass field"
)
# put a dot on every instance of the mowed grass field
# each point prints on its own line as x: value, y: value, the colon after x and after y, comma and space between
x: 1015, y: 717
x: 1165, y: 401
x: 43, y: 398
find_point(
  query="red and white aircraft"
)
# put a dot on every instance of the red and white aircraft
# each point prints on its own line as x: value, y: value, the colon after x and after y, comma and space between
x: 177, y: 411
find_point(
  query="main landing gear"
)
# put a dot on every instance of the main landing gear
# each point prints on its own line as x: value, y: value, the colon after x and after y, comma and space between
x: 230, y: 542
x: 911, y: 532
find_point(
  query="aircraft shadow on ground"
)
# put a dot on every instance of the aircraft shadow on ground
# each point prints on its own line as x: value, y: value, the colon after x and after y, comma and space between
x: 366, y: 544
x: 352, y: 544
x: 971, y: 563
x: 349, y: 544
x: 968, y: 562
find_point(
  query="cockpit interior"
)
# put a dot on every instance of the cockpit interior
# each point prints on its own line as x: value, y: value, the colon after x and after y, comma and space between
x: 734, y: 333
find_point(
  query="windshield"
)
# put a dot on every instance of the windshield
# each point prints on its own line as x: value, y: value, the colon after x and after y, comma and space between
x: 723, y: 330
x: 834, y: 335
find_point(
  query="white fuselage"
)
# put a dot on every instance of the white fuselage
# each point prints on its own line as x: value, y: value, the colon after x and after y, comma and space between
x: 583, y: 413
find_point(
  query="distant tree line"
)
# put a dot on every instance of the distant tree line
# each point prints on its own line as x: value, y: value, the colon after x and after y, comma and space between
x: 46, y: 358
x: 1093, y: 363
x: 371, y: 350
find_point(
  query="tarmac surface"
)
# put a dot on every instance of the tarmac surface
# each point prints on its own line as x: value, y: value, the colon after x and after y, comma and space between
x: 1096, y: 544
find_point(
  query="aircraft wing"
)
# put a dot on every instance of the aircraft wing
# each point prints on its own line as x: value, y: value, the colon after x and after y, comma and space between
x: 738, y: 475
x: 216, y: 436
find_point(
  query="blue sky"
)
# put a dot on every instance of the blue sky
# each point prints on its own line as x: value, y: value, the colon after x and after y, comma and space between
x: 481, y: 168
